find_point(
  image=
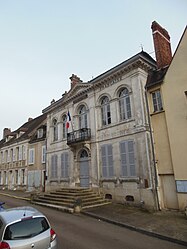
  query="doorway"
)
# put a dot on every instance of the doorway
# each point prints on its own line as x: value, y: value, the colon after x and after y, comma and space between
x: 84, y: 169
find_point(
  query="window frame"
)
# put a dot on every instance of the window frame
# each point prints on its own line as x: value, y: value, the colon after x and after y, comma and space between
x: 157, y: 101
x: 31, y: 156
x: 83, y: 117
x: 105, y: 111
x: 125, y: 109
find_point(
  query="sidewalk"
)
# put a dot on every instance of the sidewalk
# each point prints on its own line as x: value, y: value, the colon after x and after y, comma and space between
x: 167, y: 225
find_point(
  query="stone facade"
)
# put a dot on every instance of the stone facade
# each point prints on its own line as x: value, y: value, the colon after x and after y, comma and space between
x: 107, y: 146
x: 22, y: 156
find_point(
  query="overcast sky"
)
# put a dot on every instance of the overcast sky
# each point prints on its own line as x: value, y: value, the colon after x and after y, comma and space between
x: 44, y: 42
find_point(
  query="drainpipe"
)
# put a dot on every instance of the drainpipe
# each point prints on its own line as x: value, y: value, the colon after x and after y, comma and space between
x: 155, y: 185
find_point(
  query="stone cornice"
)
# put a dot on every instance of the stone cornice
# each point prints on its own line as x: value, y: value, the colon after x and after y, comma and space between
x: 110, y: 77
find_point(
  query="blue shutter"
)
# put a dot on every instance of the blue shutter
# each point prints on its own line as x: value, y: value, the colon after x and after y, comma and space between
x: 54, y: 166
x: 107, y: 161
x: 123, y: 159
x: 110, y: 161
x: 104, y: 160
x: 64, y: 165
x: 128, y: 168
x: 132, y: 170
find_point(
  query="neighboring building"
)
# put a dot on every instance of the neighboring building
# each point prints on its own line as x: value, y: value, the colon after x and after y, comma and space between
x: 167, y: 97
x: 21, y: 160
x: 98, y: 135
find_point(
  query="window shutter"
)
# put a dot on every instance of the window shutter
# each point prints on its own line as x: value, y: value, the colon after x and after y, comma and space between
x: 107, y: 160
x: 104, y: 160
x: 131, y: 158
x: 128, y: 168
x: 20, y: 152
x: 110, y: 161
x: 123, y: 158
x: 66, y: 165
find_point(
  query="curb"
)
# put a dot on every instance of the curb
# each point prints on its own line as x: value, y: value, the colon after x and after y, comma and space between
x: 16, y: 197
x: 60, y: 208
x: 131, y: 227
x: 137, y: 229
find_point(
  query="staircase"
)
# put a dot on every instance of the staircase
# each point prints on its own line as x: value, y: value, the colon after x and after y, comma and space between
x: 69, y: 199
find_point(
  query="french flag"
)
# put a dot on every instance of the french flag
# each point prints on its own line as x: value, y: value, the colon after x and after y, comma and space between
x: 68, y: 120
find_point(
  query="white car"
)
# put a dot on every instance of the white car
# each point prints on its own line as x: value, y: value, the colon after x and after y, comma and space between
x: 25, y: 228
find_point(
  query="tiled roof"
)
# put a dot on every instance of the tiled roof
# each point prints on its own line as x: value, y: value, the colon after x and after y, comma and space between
x: 27, y: 128
x: 156, y: 77
x: 141, y: 55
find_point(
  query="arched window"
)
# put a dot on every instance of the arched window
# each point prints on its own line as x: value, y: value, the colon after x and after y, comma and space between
x: 83, y: 120
x: 105, y: 111
x: 55, y: 130
x: 64, y: 129
x: 124, y: 104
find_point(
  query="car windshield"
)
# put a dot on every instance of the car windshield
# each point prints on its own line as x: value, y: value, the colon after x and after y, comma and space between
x: 26, y: 228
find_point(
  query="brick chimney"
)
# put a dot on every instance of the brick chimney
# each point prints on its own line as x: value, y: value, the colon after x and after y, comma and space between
x: 6, y: 132
x: 74, y: 80
x: 162, y: 45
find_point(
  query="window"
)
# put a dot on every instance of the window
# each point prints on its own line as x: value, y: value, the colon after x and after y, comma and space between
x: 34, y: 227
x: 2, y: 157
x: 6, y: 156
x: 55, y: 130
x: 128, y: 168
x: 107, y: 160
x: 23, y: 150
x: 157, y: 101
x: 40, y: 133
x: 23, y: 176
x: 83, y: 122
x: 16, y: 176
x: 54, y: 173
x: 31, y: 156
x: 105, y: 111
x: 20, y: 153
x: 64, y: 129
x: 64, y: 165
x: 124, y: 104
x: 11, y: 155
x: 43, y: 153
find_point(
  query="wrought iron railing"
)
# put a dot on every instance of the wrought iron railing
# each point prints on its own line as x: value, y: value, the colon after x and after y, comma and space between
x: 78, y: 136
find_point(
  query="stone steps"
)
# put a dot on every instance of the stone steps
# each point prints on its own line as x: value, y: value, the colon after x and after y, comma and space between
x: 71, y: 198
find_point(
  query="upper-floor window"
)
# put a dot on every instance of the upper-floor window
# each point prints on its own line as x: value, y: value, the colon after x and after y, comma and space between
x: 124, y: 104
x: 83, y: 119
x: 43, y: 154
x: 64, y: 128
x: 40, y: 133
x: 55, y: 130
x: 31, y: 156
x: 157, y: 101
x: 105, y: 111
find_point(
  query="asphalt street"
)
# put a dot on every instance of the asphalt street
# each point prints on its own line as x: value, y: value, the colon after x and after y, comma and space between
x: 77, y: 231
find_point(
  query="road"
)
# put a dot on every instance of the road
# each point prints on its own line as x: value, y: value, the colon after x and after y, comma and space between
x: 76, y: 231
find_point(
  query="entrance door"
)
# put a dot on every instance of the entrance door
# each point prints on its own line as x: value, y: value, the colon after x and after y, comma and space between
x: 84, y: 169
x: 169, y: 192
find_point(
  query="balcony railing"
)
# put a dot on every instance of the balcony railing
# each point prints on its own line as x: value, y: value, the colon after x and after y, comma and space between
x: 78, y: 136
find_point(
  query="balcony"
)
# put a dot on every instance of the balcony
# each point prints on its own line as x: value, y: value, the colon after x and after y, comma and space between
x: 78, y: 136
